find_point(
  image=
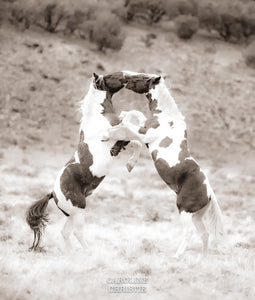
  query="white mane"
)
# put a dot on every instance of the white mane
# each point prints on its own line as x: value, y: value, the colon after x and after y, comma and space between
x: 166, y: 102
x: 91, y: 104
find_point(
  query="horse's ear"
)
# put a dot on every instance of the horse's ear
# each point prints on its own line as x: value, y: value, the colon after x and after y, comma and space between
x: 156, y: 80
x: 95, y: 76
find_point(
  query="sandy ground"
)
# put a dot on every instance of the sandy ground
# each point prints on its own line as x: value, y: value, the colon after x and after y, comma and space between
x: 132, y: 224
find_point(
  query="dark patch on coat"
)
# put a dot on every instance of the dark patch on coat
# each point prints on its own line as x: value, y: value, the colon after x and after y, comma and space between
x: 166, y: 142
x: 185, y: 134
x: 108, y: 110
x: 187, y: 181
x: 114, y: 82
x: 141, y: 83
x: 184, y: 150
x: 82, y: 136
x: 118, y: 147
x: 77, y: 181
x: 154, y: 154
x: 111, y: 82
x: 153, y: 104
x: 171, y: 124
x: 149, y: 123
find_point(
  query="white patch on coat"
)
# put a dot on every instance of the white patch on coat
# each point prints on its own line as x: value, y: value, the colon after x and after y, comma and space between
x: 207, y: 184
x: 57, y: 190
x: 76, y: 157
x: 165, y: 101
x: 171, y: 153
x: 92, y: 119
x: 94, y: 126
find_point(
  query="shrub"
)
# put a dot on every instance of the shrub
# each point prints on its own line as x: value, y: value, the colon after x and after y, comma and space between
x: 82, y: 21
x: 248, y: 19
x: 236, y: 21
x: 145, y: 11
x: 52, y: 16
x: 106, y: 32
x: 188, y: 7
x: 186, y: 26
x: 250, y: 56
x: 208, y: 16
x: 174, y: 8
x: 18, y: 18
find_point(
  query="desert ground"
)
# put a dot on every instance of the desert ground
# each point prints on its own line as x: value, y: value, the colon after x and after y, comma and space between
x: 132, y: 224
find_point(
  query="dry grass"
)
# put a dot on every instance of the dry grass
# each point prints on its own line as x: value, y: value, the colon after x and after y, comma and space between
x: 132, y: 225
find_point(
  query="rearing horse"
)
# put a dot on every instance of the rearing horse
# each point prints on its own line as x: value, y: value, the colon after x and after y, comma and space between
x: 166, y: 136
x: 91, y: 162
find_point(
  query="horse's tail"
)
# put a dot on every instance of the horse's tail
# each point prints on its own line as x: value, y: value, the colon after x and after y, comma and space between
x: 213, y: 218
x: 37, y: 219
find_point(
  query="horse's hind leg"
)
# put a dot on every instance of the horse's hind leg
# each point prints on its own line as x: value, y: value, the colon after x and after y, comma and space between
x: 66, y: 232
x: 198, y: 222
x: 186, y: 219
x: 79, y: 223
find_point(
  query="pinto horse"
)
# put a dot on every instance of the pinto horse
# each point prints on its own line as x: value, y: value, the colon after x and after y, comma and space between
x: 165, y: 135
x: 91, y: 162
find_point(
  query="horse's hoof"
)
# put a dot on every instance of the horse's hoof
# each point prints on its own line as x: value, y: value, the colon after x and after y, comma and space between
x: 39, y: 249
x: 129, y: 167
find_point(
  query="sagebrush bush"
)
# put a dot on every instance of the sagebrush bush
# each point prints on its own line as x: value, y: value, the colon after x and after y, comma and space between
x: 208, y: 16
x: 174, y: 8
x: 91, y: 21
x: 107, y: 32
x: 145, y: 11
x: 233, y: 20
x: 186, y: 26
x: 250, y: 56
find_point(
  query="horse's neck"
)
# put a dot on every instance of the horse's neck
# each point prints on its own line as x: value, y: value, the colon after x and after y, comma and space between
x: 95, y: 107
x: 165, y: 103
x: 91, y: 104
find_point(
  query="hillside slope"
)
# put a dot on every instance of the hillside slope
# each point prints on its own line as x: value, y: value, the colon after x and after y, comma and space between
x: 208, y: 79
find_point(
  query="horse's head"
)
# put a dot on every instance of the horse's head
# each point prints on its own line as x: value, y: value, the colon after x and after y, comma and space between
x: 139, y: 82
x: 111, y: 83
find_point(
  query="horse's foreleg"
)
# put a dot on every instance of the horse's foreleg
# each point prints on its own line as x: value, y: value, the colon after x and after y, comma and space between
x: 136, y: 146
x: 122, y: 133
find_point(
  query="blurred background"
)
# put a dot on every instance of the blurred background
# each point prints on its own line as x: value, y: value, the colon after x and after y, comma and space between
x: 48, y: 52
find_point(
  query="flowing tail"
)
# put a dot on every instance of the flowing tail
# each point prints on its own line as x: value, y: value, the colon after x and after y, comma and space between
x: 213, y: 218
x: 37, y: 219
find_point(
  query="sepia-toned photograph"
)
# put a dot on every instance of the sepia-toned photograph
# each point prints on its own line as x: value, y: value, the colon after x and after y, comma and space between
x: 127, y: 149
